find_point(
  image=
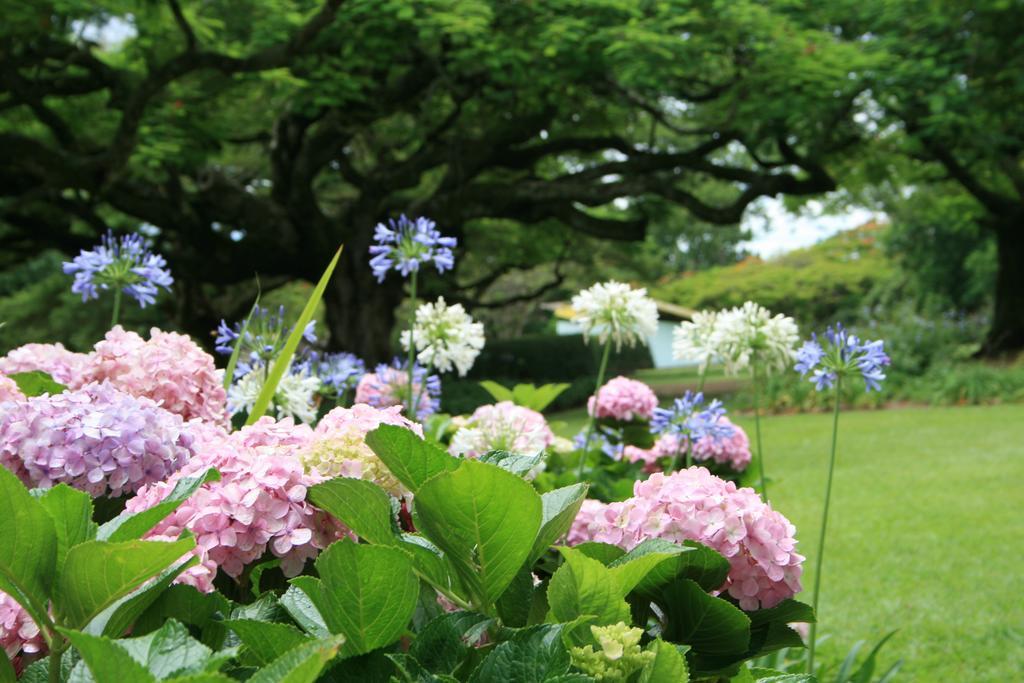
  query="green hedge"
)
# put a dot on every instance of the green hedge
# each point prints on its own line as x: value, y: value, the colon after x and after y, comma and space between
x: 539, y: 359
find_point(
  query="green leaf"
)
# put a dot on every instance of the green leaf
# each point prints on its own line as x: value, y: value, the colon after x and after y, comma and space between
x: 605, y: 553
x: 485, y: 520
x: 204, y: 611
x: 498, y: 391
x: 296, y: 602
x: 229, y: 371
x: 169, y: 651
x: 867, y: 669
x: 760, y: 675
x: 284, y: 359
x: 441, y: 646
x: 533, y: 654
x: 558, y: 510
x: 583, y: 586
x: 37, y: 383
x: 6, y: 669
x: 265, y: 640
x: 28, y: 547
x: 633, y: 567
x: 361, y: 505
x: 122, y: 613
x: 514, y: 604
x: 129, y: 526
x: 787, y: 611
x: 669, y: 665
x: 203, y: 678
x: 107, y: 660
x: 516, y: 463
x: 537, y: 398
x: 366, y: 592
x: 707, y: 568
x: 302, y: 664
x: 97, y: 573
x: 411, y: 459
x: 710, y: 625
x: 71, y: 511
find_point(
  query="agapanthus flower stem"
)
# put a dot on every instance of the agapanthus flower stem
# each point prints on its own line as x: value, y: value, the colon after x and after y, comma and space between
x: 757, y: 431
x: 591, y: 421
x: 117, y: 307
x: 412, y: 347
x: 703, y: 378
x: 824, y: 523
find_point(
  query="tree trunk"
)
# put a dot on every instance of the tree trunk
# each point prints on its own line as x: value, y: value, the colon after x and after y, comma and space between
x: 1006, y: 335
x: 361, y: 311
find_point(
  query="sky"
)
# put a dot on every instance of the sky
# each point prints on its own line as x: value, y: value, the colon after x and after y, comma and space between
x: 775, y: 230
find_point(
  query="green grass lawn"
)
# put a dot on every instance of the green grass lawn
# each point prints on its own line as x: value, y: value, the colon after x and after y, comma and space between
x: 926, y: 534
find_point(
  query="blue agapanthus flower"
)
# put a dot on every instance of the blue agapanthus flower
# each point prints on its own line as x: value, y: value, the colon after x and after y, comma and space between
x: 119, y: 263
x: 601, y: 440
x: 388, y: 386
x: 339, y: 372
x: 405, y: 245
x: 689, y: 418
x: 264, y: 338
x: 842, y: 354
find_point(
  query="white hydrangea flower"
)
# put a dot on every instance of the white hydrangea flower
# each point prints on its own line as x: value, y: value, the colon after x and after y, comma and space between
x: 295, y: 395
x: 617, y: 311
x: 445, y: 337
x: 693, y: 340
x: 751, y: 333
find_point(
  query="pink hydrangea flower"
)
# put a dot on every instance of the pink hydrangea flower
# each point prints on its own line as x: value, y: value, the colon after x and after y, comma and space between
x: 623, y: 399
x: 389, y: 386
x: 170, y: 368
x: 695, y: 505
x: 667, y: 446
x: 66, y: 367
x: 338, y: 447
x: 502, y: 426
x: 19, y: 635
x: 733, y: 451
x: 9, y: 390
x: 258, y: 505
x: 97, y: 439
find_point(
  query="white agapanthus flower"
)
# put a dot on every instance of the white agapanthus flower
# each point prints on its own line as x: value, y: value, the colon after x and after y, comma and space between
x: 445, y: 337
x: 295, y: 395
x: 693, y: 340
x: 751, y: 333
x: 617, y: 311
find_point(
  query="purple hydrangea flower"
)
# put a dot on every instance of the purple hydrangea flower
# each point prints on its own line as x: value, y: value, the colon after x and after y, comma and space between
x: 264, y: 338
x: 601, y: 440
x: 388, y: 386
x: 842, y: 354
x: 97, y: 439
x: 687, y: 419
x: 119, y: 263
x: 405, y: 245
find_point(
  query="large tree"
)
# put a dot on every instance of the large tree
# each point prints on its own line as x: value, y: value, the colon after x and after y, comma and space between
x: 944, y: 102
x: 257, y: 135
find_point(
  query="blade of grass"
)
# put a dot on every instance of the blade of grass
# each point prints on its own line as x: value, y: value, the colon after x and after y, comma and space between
x: 229, y: 372
x: 282, y: 362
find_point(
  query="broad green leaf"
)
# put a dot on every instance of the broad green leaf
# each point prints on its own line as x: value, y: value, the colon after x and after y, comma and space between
x: 107, y: 660
x: 516, y: 463
x: 533, y: 654
x: 187, y: 605
x: 700, y: 564
x: 284, y: 359
x: 633, y: 567
x: 759, y: 675
x: 361, y: 505
x: 485, y: 520
x: 37, y: 383
x: 710, y: 625
x: 6, y: 669
x: 669, y: 665
x: 366, y: 593
x: 130, y: 526
x: 28, y: 547
x: 411, y: 459
x: 537, y: 398
x: 71, y: 511
x: 203, y: 678
x: 583, y: 586
x: 297, y: 603
x: 605, y: 553
x: 787, y: 611
x: 302, y: 664
x: 514, y: 604
x: 169, y: 651
x: 558, y: 510
x: 265, y: 640
x: 498, y: 391
x: 122, y: 613
x: 229, y: 371
x: 428, y: 562
x: 441, y: 645
x: 97, y: 573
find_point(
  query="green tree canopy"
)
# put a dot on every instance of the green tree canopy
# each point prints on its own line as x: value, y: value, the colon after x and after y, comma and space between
x: 258, y: 134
